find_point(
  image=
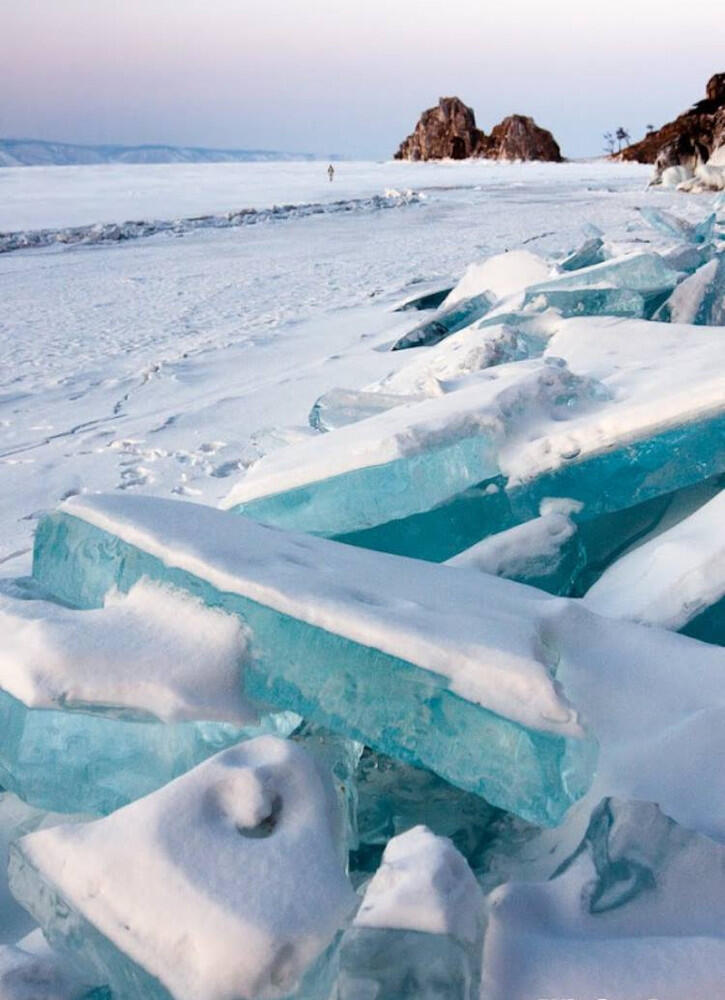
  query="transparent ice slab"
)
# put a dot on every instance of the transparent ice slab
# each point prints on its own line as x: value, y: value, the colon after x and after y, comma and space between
x: 687, y: 257
x: 243, y: 854
x: 634, y: 285
x: 16, y: 819
x: 604, y: 483
x: 393, y: 797
x: 446, y: 321
x: 348, y: 639
x: 70, y: 761
x: 592, y: 302
x: 640, y: 272
x: 338, y: 407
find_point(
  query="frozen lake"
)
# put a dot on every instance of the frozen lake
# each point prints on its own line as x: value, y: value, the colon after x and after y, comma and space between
x: 51, y: 197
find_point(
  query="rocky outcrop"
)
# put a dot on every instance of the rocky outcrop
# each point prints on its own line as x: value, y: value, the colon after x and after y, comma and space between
x: 690, y: 139
x: 520, y: 138
x: 449, y: 131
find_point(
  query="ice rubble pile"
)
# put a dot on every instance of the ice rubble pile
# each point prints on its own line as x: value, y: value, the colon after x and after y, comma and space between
x: 238, y: 720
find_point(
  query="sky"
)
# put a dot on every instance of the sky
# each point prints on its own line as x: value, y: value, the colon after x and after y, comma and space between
x: 346, y: 76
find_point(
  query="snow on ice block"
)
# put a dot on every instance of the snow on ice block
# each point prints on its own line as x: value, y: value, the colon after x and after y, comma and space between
x: 700, y: 299
x: 440, y: 667
x: 666, y: 748
x: 100, y: 707
x: 636, y: 912
x: 419, y: 930
x: 448, y: 319
x: 672, y: 578
x: 467, y: 351
x: 640, y: 411
x: 500, y: 276
x: 226, y: 883
x: 406, y: 460
x: 544, y: 552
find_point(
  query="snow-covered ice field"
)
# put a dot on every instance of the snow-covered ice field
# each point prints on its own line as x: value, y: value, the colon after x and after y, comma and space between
x: 158, y: 365
x: 523, y: 721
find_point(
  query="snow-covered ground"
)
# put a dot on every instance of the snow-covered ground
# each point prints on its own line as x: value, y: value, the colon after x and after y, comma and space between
x: 43, y: 197
x: 159, y: 365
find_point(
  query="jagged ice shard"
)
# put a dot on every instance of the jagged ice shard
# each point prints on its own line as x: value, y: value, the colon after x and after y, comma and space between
x: 440, y: 667
x: 672, y: 225
x: 634, y: 285
x: 238, y: 866
x: 616, y: 412
x: 590, y: 252
x: 447, y: 320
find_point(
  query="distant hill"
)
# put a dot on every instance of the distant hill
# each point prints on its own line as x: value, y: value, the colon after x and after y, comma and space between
x: 37, y: 152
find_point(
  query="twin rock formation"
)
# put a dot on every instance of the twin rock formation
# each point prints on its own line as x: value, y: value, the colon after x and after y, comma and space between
x: 690, y: 139
x: 449, y: 131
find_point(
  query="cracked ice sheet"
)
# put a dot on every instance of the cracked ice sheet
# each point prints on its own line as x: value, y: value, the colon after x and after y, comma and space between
x: 147, y: 366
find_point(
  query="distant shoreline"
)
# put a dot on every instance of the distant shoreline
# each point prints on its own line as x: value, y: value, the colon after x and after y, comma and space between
x: 41, y: 152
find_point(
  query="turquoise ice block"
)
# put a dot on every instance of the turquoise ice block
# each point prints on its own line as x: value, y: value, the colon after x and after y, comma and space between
x: 421, y: 662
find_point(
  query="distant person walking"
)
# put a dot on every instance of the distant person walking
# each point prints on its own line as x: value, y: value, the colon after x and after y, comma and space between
x: 331, y: 172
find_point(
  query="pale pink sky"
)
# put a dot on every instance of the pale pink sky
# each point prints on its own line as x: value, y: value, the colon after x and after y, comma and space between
x: 347, y: 77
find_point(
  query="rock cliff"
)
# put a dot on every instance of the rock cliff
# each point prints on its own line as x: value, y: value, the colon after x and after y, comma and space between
x: 691, y: 138
x: 448, y: 131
